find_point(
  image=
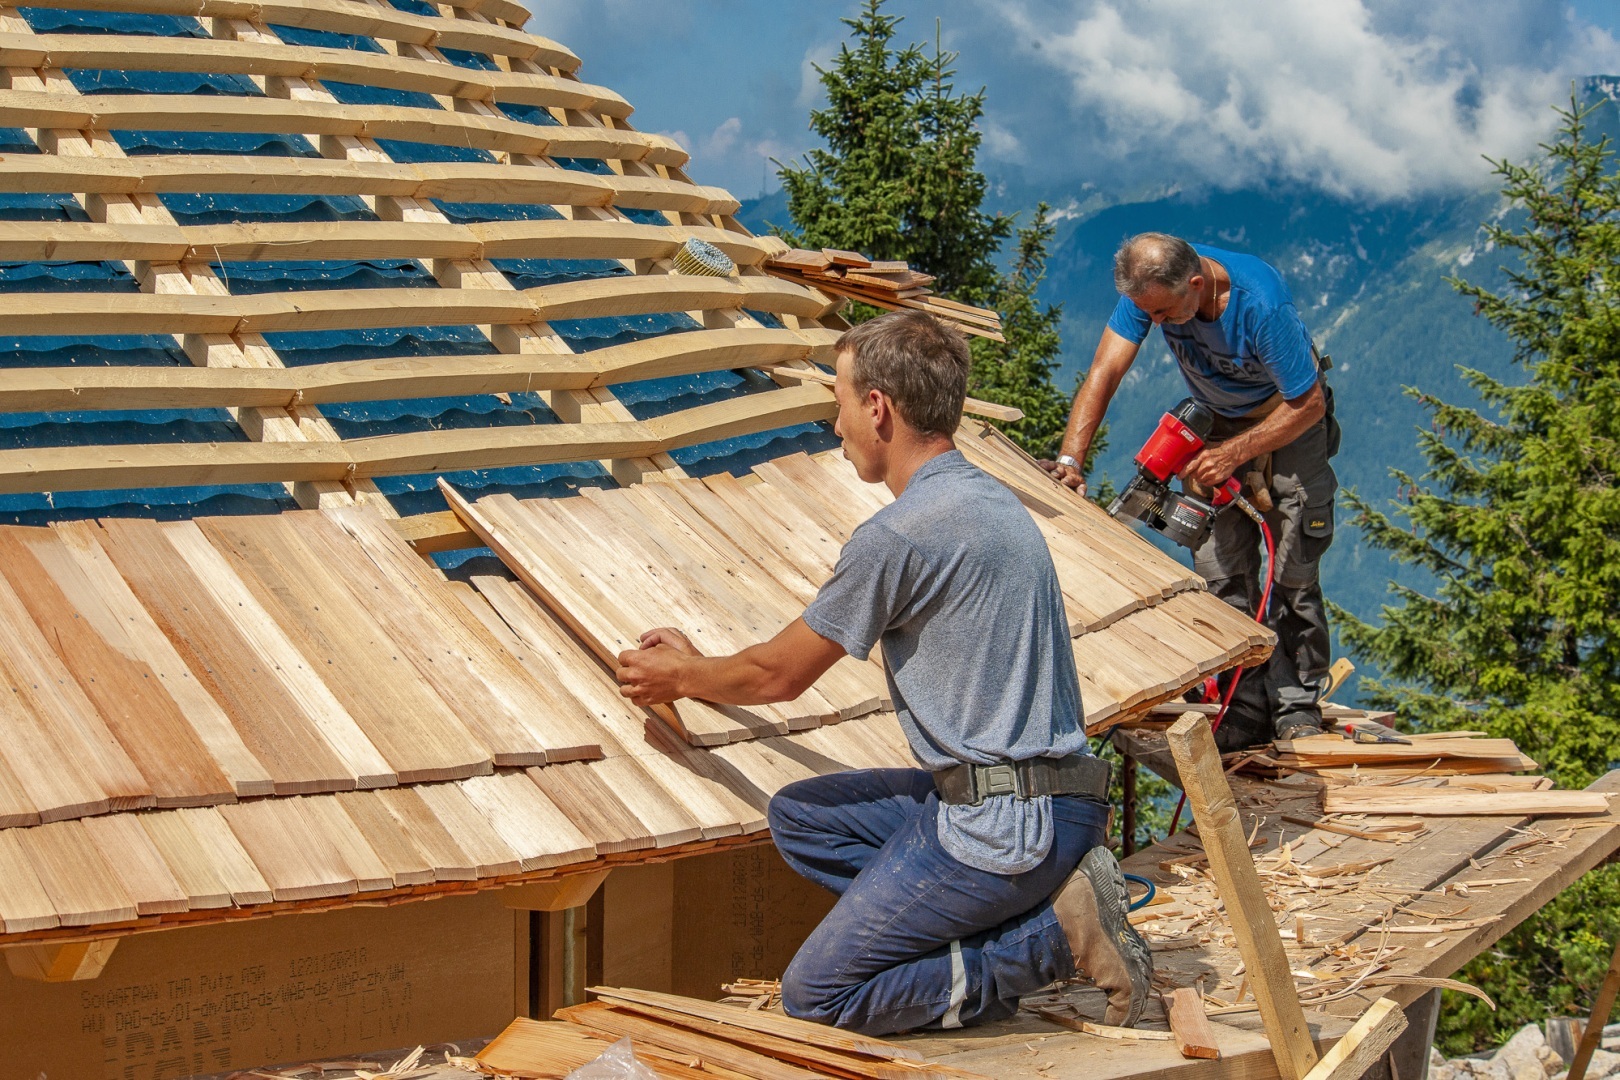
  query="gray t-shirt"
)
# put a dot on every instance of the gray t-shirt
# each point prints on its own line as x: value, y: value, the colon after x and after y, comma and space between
x: 957, y: 582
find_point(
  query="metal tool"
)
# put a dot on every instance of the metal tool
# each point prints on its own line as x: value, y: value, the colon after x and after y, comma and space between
x: 1182, y: 516
x: 1371, y: 731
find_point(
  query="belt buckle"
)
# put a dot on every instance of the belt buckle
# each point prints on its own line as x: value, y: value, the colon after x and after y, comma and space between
x: 997, y: 780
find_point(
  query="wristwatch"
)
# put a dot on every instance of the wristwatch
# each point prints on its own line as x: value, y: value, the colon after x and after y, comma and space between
x: 1065, y: 459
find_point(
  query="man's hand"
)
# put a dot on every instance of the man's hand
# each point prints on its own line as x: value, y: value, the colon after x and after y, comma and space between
x: 1067, y: 475
x: 1214, y: 465
x: 650, y: 675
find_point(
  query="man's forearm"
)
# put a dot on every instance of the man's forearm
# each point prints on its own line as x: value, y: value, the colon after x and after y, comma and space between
x: 1286, y: 423
x: 1090, y: 406
x: 738, y: 679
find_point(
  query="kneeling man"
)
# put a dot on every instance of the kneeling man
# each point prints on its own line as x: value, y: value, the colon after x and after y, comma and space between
x: 983, y: 875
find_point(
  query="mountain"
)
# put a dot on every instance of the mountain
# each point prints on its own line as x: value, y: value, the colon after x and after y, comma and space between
x: 1369, y: 281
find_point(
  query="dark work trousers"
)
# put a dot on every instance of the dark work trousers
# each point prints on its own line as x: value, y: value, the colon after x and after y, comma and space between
x: 1286, y: 690
x: 917, y: 938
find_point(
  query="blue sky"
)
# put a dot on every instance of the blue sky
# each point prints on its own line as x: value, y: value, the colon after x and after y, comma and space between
x: 1375, y: 99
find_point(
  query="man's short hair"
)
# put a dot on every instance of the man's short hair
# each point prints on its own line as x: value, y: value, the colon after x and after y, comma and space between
x: 918, y: 361
x: 1154, y: 258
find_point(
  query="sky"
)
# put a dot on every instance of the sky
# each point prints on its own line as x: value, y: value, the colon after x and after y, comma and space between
x: 1369, y: 99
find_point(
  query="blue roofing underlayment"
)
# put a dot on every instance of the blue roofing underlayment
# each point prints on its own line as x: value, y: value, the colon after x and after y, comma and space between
x: 409, y: 494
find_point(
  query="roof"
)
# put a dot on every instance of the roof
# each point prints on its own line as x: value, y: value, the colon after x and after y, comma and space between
x: 285, y: 286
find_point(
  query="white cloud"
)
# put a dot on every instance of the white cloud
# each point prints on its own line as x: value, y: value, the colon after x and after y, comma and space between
x: 1357, y: 97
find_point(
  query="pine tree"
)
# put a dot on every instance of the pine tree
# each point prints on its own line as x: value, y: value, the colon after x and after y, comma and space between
x: 898, y: 177
x: 1518, y: 521
x: 1019, y: 372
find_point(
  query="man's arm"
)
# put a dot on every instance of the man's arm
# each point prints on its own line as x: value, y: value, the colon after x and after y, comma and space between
x: 1114, y: 357
x: 666, y: 667
x: 1216, y: 464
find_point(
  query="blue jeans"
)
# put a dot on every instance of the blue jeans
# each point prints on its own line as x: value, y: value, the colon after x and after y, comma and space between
x: 917, y: 938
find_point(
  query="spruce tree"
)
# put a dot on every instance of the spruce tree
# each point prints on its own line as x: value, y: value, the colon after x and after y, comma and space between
x: 1518, y: 521
x: 898, y: 177
x: 1019, y: 372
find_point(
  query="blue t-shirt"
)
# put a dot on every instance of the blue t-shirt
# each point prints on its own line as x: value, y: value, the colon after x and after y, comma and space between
x: 957, y: 582
x: 1257, y: 347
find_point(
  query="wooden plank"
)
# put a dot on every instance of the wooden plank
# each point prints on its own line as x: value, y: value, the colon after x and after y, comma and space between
x: 396, y: 377
x: 187, y: 859
x: 44, y: 690
x: 418, y: 822
x: 1335, y: 749
x: 95, y: 468
x: 244, y: 661
x: 1435, y: 802
x: 271, y: 115
x: 273, y: 240
x: 600, y: 1017
x: 329, y: 817
x: 1272, y: 980
x: 404, y: 861
x: 147, y: 723
x: 1363, y: 1045
x: 367, y: 670
x: 764, y: 1023
x: 137, y: 864
x: 540, y: 833
x: 455, y: 181
x: 297, y: 860
x: 17, y: 809
x: 363, y: 20
x: 228, y: 856
x: 76, y: 561
x: 24, y: 904
x: 489, y: 852
x: 222, y: 56
x: 82, y: 887
x: 552, y: 1049
x: 593, y: 806
x: 523, y: 720
x: 357, y: 309
x: 1194, y: 1037
x: 566, y: 590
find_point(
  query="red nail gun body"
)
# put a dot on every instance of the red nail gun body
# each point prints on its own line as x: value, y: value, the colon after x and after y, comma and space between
x: 1183, y: 517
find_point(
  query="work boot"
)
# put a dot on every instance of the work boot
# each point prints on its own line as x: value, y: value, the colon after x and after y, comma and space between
x: 1091, y: 907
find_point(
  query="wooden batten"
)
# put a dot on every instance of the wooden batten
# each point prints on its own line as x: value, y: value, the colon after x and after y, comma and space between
x: 73, y: 962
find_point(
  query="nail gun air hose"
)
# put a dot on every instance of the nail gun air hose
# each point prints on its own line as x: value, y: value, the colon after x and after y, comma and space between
x: 1265, y: 609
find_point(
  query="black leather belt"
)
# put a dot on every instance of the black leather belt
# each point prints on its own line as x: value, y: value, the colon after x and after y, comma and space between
x: 1077, y: 774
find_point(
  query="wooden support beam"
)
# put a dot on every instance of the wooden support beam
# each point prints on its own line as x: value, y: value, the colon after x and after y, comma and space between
x: 128, y: 52
x: 1450, y: 801
x: 391, y: 378
x: 454, y: 181
x: 1363, y: 1044
x: 362, y: 19
x: 286, y: 240
x: 71, y: 962
x: 558, y: 894
x: 1253, y: 925
x: 90, y: 468
x: 198, y: 112
x: 1601, y: 1007
x: 359, y: 309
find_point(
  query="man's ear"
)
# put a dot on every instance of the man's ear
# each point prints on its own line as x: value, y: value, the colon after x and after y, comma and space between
x: 880, y: 407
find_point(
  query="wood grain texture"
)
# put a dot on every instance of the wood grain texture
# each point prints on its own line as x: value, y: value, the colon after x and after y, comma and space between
x: 1193, y: 1034
x: 367, y: 670
x: 148, y: 724
x: 387, y: 837
x: 1210, y: 798
x: 455, y: 181
x: 24, y: 904
x: 136, y: 862
x: 297, y: 861
x: 80, y: 567
x: 364, y: 20
x: 286, y: 716
x: 223, y: 56
x: 82, y: 887
x: 1363, y: 1045
x: 1448, y: 801
x: 188, y: 860
x: 528, y: 821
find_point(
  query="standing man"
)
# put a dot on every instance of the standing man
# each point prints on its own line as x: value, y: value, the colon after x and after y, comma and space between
x: 1231, y: 325
x: 981, y: 876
